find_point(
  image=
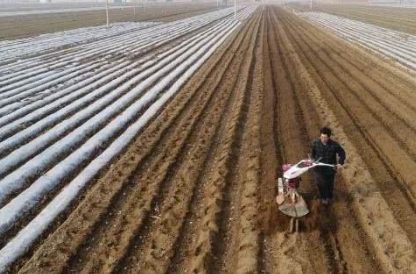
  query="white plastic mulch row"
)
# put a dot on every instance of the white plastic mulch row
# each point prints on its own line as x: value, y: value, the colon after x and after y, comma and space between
x: 114, y: 126
x: 399, y: 45
x: 16, y: 105
x: 104, y: 46
x: 108, y: 105
x: 37, y: 76
x: 32, y: 46
x: 49, y: 41
x: 29, y: 102
x: 56, y: 64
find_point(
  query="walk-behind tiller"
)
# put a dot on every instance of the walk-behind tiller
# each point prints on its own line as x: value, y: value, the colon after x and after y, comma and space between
x: 289, y: 200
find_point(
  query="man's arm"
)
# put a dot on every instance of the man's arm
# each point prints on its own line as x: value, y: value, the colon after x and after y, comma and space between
x: 313, y: 150
x: 341, y: 154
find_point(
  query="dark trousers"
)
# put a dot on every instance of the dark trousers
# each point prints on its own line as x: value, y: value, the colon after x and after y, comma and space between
x: 325, y: 182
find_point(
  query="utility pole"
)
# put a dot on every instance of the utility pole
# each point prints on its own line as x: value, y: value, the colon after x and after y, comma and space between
x: 106, y: 12
x: 235, y: 9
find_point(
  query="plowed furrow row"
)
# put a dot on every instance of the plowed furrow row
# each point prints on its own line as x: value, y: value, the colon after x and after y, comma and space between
x: 155, y: 248
x: 248, y: 252
x: 227, y: 243
x: 229, y: 169
x: 199, y: 250
x: 374, y: 131
x: 270, y: 156
x: 294, y: 142
x: 191, y: 253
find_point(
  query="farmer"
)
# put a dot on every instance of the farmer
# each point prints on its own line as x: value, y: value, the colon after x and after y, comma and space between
x: 325, y: 150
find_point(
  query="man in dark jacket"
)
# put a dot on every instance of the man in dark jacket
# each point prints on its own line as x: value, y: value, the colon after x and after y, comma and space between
x: 326, y: 150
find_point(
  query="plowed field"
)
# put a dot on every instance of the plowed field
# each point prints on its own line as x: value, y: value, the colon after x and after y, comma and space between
x: 194, y: 192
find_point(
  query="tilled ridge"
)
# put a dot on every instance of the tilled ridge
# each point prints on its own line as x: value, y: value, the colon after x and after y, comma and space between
x: 227, y: 243
x: 199, y: 213
x: 270, y: 158
x: 199, y: 250
x: 307, y: 253
x: 160, y: 240
x: 247, y: 254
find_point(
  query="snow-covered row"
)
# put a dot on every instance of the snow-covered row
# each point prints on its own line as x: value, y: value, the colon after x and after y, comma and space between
x: 120, y: 123
x: 398, y: 45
